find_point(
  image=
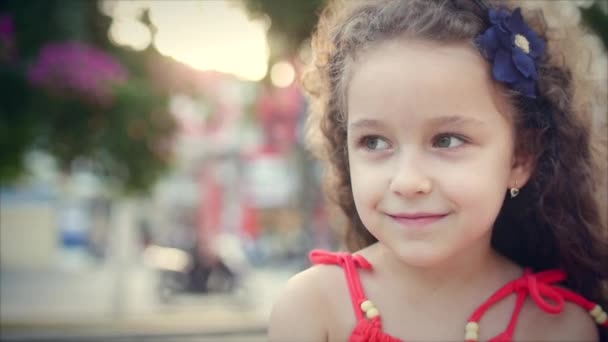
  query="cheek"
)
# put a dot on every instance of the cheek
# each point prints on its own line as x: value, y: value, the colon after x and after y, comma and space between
x: 367, y: 184
x: 485, y: 190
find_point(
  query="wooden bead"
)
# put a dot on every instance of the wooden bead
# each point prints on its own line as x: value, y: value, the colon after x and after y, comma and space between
x: 366, y: 305
x: 371, y: 313
x: 596, y: 311
x: 471, y: 336
x: 472, y: 326
x: 601, y: 318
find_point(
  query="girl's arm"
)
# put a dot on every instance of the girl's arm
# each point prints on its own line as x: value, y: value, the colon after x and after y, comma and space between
x: 298, y: 315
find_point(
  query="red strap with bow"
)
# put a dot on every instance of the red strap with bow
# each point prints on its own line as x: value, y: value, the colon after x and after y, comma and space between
x: 542, y: 289
x: 350, y: 263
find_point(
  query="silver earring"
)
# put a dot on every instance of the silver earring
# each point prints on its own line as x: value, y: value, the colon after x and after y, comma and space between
x: 514, y: 191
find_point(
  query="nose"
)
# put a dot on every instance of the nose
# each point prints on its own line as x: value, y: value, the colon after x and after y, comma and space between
x: 410, y: 178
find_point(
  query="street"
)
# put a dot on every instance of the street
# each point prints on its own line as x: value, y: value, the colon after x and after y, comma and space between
x: 103, y: 303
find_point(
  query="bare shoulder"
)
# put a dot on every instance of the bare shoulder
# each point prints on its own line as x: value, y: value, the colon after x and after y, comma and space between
x: 301, y: 313
x: 572, y: 324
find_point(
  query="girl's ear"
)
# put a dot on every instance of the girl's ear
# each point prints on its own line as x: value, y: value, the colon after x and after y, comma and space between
x: 521, y: 170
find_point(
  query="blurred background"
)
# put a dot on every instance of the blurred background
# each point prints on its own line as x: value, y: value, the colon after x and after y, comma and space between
x: 154, y: 184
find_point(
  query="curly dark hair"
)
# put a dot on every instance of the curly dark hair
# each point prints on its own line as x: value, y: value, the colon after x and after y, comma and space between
x: 557, y: 220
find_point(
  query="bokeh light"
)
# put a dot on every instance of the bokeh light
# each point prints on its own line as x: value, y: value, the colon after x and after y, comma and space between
x: 282, y: 74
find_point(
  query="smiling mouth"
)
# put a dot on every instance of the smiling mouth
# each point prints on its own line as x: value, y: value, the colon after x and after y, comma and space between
x: 417, y: 220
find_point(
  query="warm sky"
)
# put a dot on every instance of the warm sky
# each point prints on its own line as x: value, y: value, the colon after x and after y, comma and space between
x: 207, y: 35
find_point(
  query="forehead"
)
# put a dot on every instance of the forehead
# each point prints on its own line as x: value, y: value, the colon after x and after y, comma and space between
x: 413, y: 77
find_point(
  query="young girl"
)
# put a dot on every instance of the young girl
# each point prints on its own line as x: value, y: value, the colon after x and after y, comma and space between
x: 461, y: 150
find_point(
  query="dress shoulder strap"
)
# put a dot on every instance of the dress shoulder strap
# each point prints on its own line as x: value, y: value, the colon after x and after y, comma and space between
x: 349, y: 262
x: 540, y: 287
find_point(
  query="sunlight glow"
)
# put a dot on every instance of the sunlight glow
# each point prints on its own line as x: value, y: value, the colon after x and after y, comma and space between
x: 207, y: 35
x: 129, y: 32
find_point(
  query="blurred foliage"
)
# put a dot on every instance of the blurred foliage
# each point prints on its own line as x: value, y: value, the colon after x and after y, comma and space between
x: 596, y: 17
x: 126, y: 137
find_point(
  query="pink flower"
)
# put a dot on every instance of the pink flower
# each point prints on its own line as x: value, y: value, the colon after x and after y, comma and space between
x: 76, y: 68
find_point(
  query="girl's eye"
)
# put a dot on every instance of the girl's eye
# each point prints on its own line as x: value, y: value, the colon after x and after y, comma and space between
x: 448, y: 141
x: 374, y: 143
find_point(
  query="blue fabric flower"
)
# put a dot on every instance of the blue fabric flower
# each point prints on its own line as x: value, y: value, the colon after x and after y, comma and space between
x: 513, y: 48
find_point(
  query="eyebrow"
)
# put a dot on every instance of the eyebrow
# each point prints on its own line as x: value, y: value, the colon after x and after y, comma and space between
x: 365, y: 123
x: 441, y: 120
x: 456, y: 120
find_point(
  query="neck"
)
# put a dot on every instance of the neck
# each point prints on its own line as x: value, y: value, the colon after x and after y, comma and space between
x: 480, y: 267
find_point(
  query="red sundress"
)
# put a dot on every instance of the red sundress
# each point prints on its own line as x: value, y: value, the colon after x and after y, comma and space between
x: 538, y: 286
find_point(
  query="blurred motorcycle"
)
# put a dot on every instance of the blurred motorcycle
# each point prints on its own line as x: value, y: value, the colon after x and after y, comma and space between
x: 185, y: 271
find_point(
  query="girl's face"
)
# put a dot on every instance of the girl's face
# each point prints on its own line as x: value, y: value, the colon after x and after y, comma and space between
x: 430, y: 153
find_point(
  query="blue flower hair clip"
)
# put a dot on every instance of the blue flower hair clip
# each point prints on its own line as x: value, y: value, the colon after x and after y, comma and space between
x: 513, y: 48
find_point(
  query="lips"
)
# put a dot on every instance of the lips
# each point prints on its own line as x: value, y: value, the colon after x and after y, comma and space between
x: 417, y: 220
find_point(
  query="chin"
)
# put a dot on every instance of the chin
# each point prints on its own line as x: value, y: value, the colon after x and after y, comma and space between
x: 421, y: 258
